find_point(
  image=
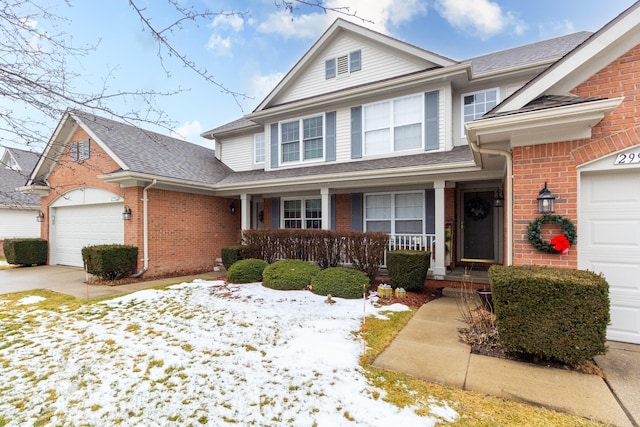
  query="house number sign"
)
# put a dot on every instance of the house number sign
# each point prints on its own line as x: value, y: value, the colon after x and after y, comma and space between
x: 628, y: 158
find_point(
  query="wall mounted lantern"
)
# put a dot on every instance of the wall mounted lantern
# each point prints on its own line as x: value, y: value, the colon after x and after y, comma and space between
x: 498, y: 199
x: 126, y: 214
x: 232, y: 208
x: 545, y: 201
x: 40, y: 217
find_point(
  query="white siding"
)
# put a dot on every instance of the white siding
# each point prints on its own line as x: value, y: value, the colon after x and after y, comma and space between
x: 18, y: 223
x: 378, y: 63
x: 343, y: 135
x: 237, y: 153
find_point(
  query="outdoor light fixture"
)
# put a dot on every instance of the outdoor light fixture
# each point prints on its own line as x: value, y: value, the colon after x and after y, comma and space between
x: 126, y: 214
x: 40, y: 217
x: 498, y: 200
x: 545, y: 201
x: 232, y: 208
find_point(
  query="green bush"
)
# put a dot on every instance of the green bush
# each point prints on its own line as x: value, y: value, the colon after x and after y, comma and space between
x: 246, y: 271
x: 289, y: 274
x: 555, y: 313
x: 340, y: 282
x: 25, y: 251
x: 231, y: 254
x: 110, y: 262
x: 408, y: 269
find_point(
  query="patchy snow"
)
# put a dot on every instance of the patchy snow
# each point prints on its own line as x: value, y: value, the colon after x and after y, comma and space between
x: 200, y: 353
x: 33, y: 299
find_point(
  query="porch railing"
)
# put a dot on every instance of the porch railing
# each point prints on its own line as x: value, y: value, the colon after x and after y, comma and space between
x: 414, y: 242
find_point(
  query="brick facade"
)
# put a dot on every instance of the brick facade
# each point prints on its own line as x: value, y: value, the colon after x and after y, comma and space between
x: 558, y: 163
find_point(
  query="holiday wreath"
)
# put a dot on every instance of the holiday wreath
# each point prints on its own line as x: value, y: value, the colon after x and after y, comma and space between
x: 559, y: 244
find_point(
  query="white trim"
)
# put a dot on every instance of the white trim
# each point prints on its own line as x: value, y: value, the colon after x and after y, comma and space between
x: 301, y: 160
x: 484, y: 91
x: 255, y: 149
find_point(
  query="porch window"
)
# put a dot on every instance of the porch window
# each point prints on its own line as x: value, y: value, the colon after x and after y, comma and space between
x: 394, y: 125
x: 309, y: 217
x: 395, y: 213
x: 306, y: 133
x: 476, y: 104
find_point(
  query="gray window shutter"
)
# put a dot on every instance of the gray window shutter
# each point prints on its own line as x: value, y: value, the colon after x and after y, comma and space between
x: 330, y: 68
x: 84, y: 149
x: 431, y: 132
x: 74, y: 151
x: 275, y: 212
x: 430, y: 211
x: 333, y: 212
x: 356, y: 132
x: 354, y: 61
x: 356, y: 212
x: 330, y: 136
x: 274, y: 146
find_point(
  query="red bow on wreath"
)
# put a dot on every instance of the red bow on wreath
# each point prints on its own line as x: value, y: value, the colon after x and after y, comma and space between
x: 560, y: 244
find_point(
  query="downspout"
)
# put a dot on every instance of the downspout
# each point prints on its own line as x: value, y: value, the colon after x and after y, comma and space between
x: 508, y: 191
x: 145, y: 230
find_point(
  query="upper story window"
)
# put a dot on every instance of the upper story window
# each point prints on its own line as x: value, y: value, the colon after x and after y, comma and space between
x: 258, y: 147
x: 302, y: 140
x: 476, y: 104
x: 395, y: 213
x: 394, y: 125
x: 302, y: 213
x: 343, y: 65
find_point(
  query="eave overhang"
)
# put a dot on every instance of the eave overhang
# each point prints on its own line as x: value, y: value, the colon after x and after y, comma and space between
x: 38, y: 190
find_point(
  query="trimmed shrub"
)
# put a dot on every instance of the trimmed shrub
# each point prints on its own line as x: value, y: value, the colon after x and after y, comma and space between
x: 340, y: 282
x: 366, y: 251
x: 246, y: 271
x: 231, y: 254
x: 289, y: 274
x: 408, y: 269
x: 110, y: 262
x: 555, y: 313
x: 26, y: 251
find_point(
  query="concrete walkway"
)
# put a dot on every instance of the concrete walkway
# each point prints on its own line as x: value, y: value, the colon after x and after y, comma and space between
x: 428, y: 348
x: 71, y: 281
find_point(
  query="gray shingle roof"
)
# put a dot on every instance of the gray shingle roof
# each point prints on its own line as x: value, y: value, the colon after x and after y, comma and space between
x: 11, y: 179
x: 528, y: 54
x: 457, y: 155
x: 155, y: 154
x: 544, y: 102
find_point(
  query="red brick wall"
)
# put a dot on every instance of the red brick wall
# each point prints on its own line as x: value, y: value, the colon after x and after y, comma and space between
x: 186, y: 231
x: 343, y: 212
x: 557, y: 163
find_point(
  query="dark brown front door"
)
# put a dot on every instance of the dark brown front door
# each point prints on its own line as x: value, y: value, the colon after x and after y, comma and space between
x: 478, y: 227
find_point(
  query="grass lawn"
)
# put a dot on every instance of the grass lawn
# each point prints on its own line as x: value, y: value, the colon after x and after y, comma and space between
x: 209, y: 354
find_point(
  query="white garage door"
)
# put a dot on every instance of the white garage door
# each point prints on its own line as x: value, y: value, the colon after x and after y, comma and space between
x: 77, y: 226
x: 609, y: 243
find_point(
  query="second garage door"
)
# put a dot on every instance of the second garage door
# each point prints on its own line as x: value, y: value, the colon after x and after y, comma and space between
x: 74, y: 227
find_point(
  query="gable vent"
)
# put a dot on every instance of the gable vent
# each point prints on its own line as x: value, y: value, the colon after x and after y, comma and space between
x: 343, y: 65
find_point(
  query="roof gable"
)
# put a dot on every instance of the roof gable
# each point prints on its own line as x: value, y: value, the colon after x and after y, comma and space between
x: 10, y: 179
x: 382, y: 57
x: 600, y: 49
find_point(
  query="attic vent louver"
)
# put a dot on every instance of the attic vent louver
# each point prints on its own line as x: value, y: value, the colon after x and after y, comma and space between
x: 343, y: 65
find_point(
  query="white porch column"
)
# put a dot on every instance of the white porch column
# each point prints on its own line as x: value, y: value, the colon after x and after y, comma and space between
x: 326, y: 208
x: 439, y: 269
x: 245, y: 211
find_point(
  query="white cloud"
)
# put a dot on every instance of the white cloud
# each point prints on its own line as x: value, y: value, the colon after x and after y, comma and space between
x: 555, y: 29
x: 235, y: 22
x: 189, y: 131
x: 260, y: 86
x: 294, y: 26
x: 482, y: 18
x: 219, y: 45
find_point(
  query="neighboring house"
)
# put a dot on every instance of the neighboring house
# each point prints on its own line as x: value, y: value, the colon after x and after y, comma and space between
x: 18, y: 211
x: 369, y: 133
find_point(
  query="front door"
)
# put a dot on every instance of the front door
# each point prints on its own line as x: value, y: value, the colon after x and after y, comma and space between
x: 478, y: 226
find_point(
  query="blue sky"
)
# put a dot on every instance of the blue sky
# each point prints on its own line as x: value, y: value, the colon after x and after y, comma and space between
x: 250, y: 53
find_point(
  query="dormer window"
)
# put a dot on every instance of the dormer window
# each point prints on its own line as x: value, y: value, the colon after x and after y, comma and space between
x: 343, y: 65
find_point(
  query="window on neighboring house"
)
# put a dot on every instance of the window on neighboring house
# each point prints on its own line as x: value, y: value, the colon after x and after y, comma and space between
x: 343, y: 65
x: 307, y: 133
x: 394, y: 125
x: 11, y: 163
x: 476, y: 104
x: 302, y: 213
x: 80, y: 150
x: 395, y: 213
x: 258, y: 147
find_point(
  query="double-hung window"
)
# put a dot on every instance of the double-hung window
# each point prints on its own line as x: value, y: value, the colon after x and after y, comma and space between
x: 476, y: 104
x: 395, y: 213
x: 258, y: 148
x: 394, y: 125
x: 302, y: 140
x: 302, y: 213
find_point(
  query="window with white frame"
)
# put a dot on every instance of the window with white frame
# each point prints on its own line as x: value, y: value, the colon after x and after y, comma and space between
x: 395, y: 213
x: 343, y: 65
x: 394, y: 125
x: 302, y: 213
x: 476, y: 104
x: 258, y: 147
x: 306, y: 133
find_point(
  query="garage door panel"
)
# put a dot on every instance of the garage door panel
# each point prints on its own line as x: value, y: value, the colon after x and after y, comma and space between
x: 623, y: 275
x: 616, y: 233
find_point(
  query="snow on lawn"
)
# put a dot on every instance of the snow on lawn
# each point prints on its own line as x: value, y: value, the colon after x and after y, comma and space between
x: 199, y: 353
